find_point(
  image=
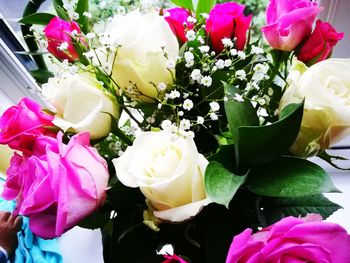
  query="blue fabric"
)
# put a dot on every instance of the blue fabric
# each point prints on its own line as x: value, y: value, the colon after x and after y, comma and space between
x: 3, y: 258
x: 32, y: 249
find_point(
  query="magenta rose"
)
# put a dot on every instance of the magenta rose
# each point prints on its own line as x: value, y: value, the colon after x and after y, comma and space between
x: 177, y: 20
x: 173, y: 259
x: 59, y: 185
x: 59, y: 31
x: 21, y: 124
x: 227, y: 21
x: 289, y: 22
x: 292, y: 239
x: 320, y: 44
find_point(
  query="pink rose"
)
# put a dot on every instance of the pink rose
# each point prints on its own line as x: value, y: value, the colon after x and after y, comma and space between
x: 227, y: 21
x: 58, y: 185
x: 292, y: 240
x: 21, y: 124
x: 173, y: 259
x: 320, y: 43
x: 58, y: 31
x: 177, y: 18
x: 289, y: 22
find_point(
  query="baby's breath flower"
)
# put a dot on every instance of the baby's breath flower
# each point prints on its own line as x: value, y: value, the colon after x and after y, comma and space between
x: 188, y: 56
x: 233, y: 52
x: 90, y: 35
x: 214, y: 116
x: 191, y: 35
x: 204, y: 49
x: 227, y: 42
x: 162, y: 86
x: 256, y: 50
x: 89, y: 55
x: 64, y: 46
x: 191, y: 19
x: 121, y: 10
x: 196, y: 75
x: 185, y: 124
x: 87, y: 14
x: 270, y: 91
x: 261, y: 101
x: 214, y: 106
x: 150, y: 119
x: 200, y: 120
x: 220, y: 64
x: 166, y: 125
x: 241, y: 55
x: 238, y: 97
x: 170, y: 64
x: 188, y: 104
x: 228, y: 63
x: 240, y: 74
x: 174, y: 94
x: 206, y: 81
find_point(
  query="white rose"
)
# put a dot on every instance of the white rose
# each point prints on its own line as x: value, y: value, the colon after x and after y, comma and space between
x: 140, y: 61
x: 326, y: 89
x: 169, y: 172
x: 81, y: 104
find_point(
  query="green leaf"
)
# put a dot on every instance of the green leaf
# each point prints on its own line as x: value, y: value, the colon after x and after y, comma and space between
x: 220, y: 184
x: 61, y: 12
x: 184, y: 3
x: 239, y: 113
x: 289, y: 177
x: 83, y: 21
x: 41, y: 75
x: 37, y: 19
x: 265, y: 143
x: 204, y: 6
x: 273, y: 209
x: 226, y: 156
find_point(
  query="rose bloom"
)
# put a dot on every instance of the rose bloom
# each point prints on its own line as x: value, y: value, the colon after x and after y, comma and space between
x: 177, y: 18
x: 292, y: 240
x: 169, y: 172
x: 289, y: 22
x: 140, y: 64
x: 81, y: 104
x: 58, y: 185
x: 320, y: 44
x: 325, y: 86
x: 228, y: 21
x: 173, y: 259
x: 58, y: 31
x: 21, y: 124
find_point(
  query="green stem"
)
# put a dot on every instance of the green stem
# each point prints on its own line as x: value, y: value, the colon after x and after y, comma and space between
x: 121, y: 135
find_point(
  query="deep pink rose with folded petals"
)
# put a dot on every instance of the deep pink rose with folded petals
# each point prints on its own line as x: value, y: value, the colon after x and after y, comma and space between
x: 21, y: 124
x: 320, y: 43
x: 59, y: 185
x: 227, y: 21
x: 173, y: 259
x: 292, y: 239
x: 59, y: 31
x: 177, y: 20
x: 289, y: 22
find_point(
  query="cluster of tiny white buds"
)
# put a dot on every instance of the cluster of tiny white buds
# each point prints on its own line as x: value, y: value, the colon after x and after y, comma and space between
x: 90, y: 35
x: 256, y: 50
x: 270, y: 92
x: 196, y: 75
x: 74, y: 33
x: 191, y: 20
x: 200, y: 40
x: 214, y: 106
x: 188, y: 104
x: 205, y: 15
x: 190, y: 35
x: 121, y: 10
x: 239, y: 98
x: 200, y: 120
x: 162, y: 87
x: 240, y: 74
x: 189, y: 58
x: 227, y: 42
x: 220, y: 64
x: 185, y: 124
x: 233, y: 52
x: 102, y: 5
x: 170, y: 64
x: 174, y: 94
x: 204, y: 49
x: 87, y: 14
x: 206, y: 81
x: 150, y: 120
x: 63, y: 46
x: 90, y: 54
x: 213, y: 116
x: 241, y: 55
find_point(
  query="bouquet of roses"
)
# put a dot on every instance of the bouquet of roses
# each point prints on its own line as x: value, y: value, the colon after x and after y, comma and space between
x: 178, y: 128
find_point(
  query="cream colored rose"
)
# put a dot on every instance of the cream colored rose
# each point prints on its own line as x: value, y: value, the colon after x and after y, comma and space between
x: 326, y: 89
x: 81, y: 104
x: 169, y: 172
x: 140, y: 64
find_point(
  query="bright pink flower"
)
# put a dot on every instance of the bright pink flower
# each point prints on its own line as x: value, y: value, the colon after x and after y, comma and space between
x: 289, y: 22
x: 292, y: 240
x: 58, y: 31
x: 177, y: 18
x: 320, y: 44
x: 21, y: 124
x: 227, y: 21
x: 59, y: 184
x: 173, y: 259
